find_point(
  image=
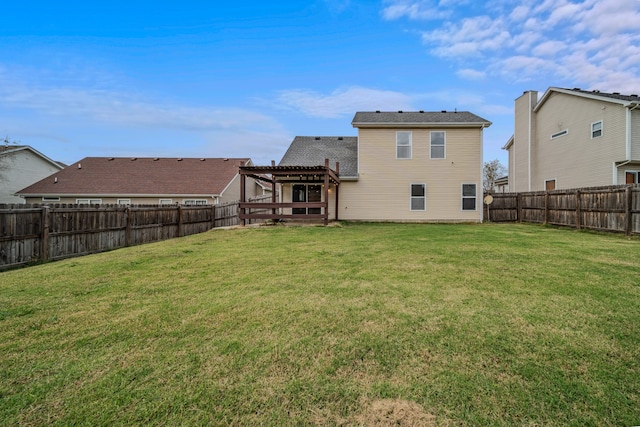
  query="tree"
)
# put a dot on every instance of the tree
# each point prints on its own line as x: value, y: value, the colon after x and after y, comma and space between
x: 491, y: 171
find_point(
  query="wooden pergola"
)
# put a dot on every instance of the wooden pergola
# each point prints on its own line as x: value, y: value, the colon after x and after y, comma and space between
x: 290, y: 175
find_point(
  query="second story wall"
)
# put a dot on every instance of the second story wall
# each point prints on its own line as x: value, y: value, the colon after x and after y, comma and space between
x: 383, y: 190
x: 569, y: 150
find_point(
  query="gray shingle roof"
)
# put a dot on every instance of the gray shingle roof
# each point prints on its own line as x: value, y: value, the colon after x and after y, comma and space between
x: 613, y: 95
x: 312, y: 150
x: 464, y: 118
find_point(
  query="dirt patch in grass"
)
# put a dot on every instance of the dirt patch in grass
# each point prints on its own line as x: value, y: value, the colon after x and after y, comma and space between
x: 395, y: 412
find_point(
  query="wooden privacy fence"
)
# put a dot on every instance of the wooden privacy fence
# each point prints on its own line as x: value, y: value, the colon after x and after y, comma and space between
x: 615, y: 208
x: 34, y: 233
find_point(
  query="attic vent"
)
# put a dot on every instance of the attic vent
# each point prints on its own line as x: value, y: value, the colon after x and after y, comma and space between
x: 340, y: 138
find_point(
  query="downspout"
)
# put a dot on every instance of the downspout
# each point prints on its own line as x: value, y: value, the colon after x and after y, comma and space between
x: 481, y: 189
x: 529, y: 137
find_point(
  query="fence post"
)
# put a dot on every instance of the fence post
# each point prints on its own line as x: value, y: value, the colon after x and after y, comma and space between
x: 546, y: 207
x: 628, y: 217
x: 213, y: 216
x: 518, y: 207
x: 127, y: 226
x: 578, y: 211
x: 44, y: 241
x: 180, y: 230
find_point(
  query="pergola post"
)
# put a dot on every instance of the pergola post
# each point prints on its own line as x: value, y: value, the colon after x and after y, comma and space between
x: 337, y: 188
x: 243, y: 178
x: 326, y: 192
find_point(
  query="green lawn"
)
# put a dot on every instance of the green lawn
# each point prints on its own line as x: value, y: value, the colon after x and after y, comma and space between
x: 358, y: 324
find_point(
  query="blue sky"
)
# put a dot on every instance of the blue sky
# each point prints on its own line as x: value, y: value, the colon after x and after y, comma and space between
x: 241, y: 79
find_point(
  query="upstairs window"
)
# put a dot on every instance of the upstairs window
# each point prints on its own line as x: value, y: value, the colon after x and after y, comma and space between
x: 437, y: 145
x: 469, y: 196
x: 418, y: 197
x: 596, y: 129
x: 403, y: 145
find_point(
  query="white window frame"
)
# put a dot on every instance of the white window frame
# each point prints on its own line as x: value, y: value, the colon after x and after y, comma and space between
x: 124, y: 202
x: 165, y: 201
x: 432, y: 145
x: 593, y: 131
x: 88, y: 201
x: 50, y: 199
x: 194, y: 202
x: 423, y: 197
x: 463, y: 197
x: 560, y: 134
x: 403, y: 145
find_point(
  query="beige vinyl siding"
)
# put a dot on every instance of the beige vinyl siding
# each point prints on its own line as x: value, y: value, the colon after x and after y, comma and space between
x: 20, y: 169
x: 578, y: 160
x: 524, y: 132
x: 635, y: 135
x: 382, y: 192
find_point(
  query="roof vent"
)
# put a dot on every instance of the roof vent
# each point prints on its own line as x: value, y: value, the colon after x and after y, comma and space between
x: 110, y: 159
x: 317, y: 138
x: 595, y: 91
x: 377, y: 111
x: 79, y: 165
x: 55, y: 180
x: 340, y: 138
x: 202, y: 160
x: 156, y: 159
x: 399, y: 111
x: 422, y: 111
x: 226, y: 160
x: 576, y: 88
x: 444, y: 111
x: 133, y: 159
x: 634, y: 95
x: 180, y: 159
x: 616, y: 93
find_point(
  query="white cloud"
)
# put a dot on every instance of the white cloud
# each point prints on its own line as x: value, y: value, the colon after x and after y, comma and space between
x: 470, y: 74
x: 416, y: 10
x: 124, y: 109
x: 588, y: 42
x: 343, y: 101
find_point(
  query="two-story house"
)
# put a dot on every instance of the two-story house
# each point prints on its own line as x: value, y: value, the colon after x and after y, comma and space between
x: 403, y: 166
x: 20, y: 166
x: 573, y: 138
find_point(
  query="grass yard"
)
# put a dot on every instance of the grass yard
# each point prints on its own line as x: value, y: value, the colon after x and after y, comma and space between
x: 358, y: 324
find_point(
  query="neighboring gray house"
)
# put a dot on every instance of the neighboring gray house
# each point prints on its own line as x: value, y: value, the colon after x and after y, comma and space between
x: 21, y: 166
x: 573, y: 138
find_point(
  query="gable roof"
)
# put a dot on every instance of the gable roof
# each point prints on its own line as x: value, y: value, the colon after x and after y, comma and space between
x: 140, y: 176
x: 312, y: 150
x: 614, y: 97
x: 9, y: 149
x: 418, y: 119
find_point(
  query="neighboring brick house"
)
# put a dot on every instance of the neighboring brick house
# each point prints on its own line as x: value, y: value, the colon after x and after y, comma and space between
x: 402, y: 166
x: 120, y: 180
x: 573, y: 138
x: 22, y: 165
